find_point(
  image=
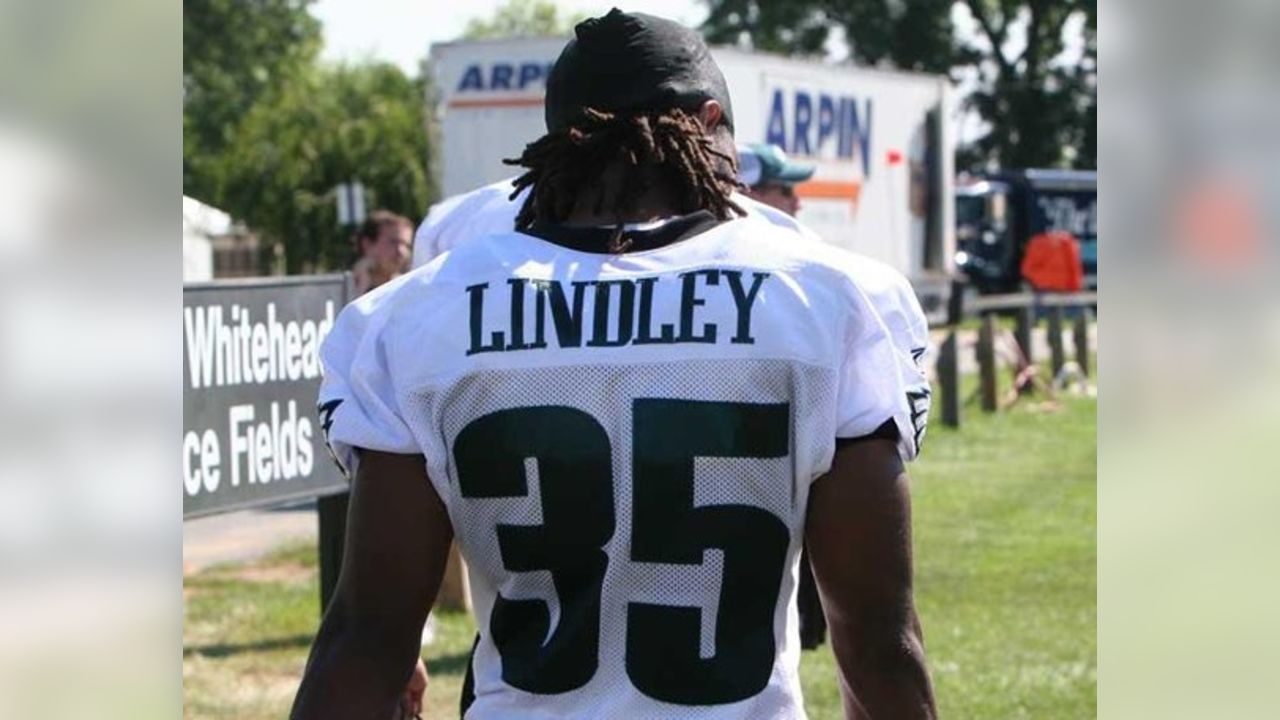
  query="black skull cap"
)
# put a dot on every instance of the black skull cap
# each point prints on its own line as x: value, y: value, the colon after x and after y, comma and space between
x: 632, y: 62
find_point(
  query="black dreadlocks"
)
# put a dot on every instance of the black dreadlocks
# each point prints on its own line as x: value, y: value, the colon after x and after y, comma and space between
x: 668, y: 147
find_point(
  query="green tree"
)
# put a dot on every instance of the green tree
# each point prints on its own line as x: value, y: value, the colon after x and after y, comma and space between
x: 1041, y: 112
x: 233, y: 53
x: 1085, y: 78
x: 332, y: 125
x: 524, y: 18
x: 914, y: 35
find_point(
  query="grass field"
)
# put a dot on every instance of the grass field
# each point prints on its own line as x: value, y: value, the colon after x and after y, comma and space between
x: 1005, y: 520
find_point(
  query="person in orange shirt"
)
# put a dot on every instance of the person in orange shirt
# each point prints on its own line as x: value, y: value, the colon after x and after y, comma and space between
x: 1052, y: 263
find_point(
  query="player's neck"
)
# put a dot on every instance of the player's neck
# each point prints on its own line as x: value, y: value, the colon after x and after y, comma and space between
x: 599, y: 207
x: 641, y: 213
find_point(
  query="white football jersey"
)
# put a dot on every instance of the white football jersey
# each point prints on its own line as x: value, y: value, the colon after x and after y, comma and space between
x: 625, y: 445
x: 491, y: 209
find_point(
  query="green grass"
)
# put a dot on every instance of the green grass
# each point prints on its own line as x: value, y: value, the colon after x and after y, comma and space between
x: 1006, y: 554
x: 1005, y: 520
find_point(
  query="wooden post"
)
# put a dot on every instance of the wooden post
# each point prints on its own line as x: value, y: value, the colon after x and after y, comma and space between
x: 949, y: 380
x: 955, y: 303
x: 1081, y: 336
x: 987, y: 362
x: 1024, y: 332
x: 1057, y: 354
x: 455, y: 590
x: 332, y: 513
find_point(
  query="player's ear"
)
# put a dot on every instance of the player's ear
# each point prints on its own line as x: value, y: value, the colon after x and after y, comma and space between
x: 710, y: 114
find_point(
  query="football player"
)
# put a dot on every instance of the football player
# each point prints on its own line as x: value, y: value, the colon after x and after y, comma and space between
x: 629, y: 412
x: 770, y: 179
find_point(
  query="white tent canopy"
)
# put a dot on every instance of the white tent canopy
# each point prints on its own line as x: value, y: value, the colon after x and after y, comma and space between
x: 200, y: 223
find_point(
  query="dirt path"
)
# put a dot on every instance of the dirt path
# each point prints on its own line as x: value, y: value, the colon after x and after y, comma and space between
x: 243, y: 535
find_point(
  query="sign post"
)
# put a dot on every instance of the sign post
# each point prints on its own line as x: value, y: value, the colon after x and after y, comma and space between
x: 331, y: 512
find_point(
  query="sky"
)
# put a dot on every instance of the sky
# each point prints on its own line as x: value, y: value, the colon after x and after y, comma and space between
x: 401, y: 31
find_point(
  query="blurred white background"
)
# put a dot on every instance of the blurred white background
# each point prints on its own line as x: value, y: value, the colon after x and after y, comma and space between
x: 1190, y: 160
x: 90, y: 608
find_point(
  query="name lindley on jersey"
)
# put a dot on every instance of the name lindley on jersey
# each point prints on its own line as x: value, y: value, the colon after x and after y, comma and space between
x: 621, y: 309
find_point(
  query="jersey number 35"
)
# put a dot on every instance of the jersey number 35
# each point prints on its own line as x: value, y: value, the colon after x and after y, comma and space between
x: 574, y: 460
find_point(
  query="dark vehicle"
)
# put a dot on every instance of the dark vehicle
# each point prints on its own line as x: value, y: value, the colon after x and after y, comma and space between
x: 997, y: 213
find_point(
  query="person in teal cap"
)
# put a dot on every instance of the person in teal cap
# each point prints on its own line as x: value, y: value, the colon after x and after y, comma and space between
x: 771, y: 177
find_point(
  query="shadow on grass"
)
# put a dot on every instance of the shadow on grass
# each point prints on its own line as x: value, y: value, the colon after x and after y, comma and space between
x: 227, y: 649
x: 454, y: 664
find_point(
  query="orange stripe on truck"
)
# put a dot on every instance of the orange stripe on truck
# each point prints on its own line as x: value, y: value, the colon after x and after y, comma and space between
x: 829, y: 190
x: 495, y: 102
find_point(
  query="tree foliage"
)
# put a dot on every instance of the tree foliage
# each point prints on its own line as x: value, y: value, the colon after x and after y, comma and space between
x: 913, y: 35
x: 269, y: 130
x: 233, y: 53
x: 524, y: 18
x: 1040, y: 111
x: 333, y: 125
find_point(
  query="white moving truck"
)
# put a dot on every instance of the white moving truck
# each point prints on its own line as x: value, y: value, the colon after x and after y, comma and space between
x: 882, y: 141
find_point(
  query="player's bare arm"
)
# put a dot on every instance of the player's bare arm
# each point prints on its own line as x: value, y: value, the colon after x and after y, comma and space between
x: 398, y: 537
x: 859, y: 534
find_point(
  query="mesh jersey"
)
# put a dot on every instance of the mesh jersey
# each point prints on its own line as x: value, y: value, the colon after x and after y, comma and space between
x: 625, y: 445
x: 489, y: 210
